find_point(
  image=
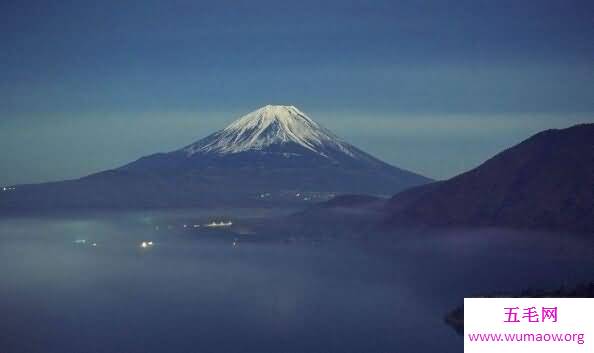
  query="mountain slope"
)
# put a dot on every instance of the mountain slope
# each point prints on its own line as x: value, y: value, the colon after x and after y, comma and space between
x: 271, y: 135
x: 279, y: 148
x: 274, y: 154
x: 547, y: 181
x: 268, y: 126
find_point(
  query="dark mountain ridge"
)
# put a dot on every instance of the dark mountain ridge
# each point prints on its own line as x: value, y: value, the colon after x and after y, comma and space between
x: 546, y: 181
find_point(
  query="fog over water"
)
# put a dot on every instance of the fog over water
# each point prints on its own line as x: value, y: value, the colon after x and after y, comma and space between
x: 195, y: 291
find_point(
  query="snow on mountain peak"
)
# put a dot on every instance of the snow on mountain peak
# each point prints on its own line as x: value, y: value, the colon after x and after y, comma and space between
x: 272, y: 124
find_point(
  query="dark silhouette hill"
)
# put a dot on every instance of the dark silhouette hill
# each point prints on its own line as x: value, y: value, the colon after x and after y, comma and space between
x: 546, y: 181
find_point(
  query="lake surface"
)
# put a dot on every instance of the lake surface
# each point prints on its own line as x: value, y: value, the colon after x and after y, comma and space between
x: 199, y: 290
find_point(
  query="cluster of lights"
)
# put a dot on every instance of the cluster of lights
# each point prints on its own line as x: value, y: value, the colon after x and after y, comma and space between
x: 219, y: 224
x: 84, y: 242
x: 146, y: 244
x: 210, y: 225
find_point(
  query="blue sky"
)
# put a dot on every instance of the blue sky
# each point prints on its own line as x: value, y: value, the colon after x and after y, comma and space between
x: 432, y: 86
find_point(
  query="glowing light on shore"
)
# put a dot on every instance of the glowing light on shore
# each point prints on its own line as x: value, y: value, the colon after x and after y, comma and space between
x: 146, y: 244
x: 219, y: 224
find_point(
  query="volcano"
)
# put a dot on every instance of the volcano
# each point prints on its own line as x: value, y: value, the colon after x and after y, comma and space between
x: 275, y: 154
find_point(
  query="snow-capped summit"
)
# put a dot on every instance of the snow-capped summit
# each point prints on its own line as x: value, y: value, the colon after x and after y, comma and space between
x: 275, y: 155
x: 268, y: 126
x: 274, y: 150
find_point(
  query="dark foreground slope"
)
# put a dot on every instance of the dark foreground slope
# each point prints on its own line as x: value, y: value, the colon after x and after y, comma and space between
x: 546, y: 182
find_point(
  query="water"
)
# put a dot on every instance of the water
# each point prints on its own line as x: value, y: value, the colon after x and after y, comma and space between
x: 193, y: 291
